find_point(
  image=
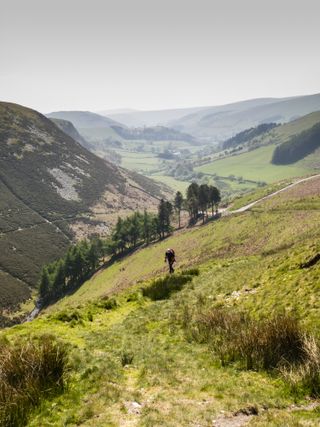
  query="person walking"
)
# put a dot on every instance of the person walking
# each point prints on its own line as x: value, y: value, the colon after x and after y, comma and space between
x: 170, y: 258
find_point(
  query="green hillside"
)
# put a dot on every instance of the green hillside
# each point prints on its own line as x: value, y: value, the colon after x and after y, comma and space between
x: 285, y: 132
x: 140, y: 362
x: 256, y: 164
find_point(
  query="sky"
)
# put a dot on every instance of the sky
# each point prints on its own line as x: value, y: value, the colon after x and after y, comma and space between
x: 156, y: 54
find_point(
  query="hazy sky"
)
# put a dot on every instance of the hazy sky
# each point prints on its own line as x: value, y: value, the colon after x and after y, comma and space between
x: 156, y: 54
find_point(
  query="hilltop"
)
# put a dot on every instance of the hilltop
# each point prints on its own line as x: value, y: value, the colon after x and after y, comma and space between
x: 141, y: 360
x: 53, y: 191
x: 84, y: 119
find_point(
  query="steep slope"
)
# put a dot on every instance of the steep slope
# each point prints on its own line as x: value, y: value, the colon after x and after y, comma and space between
x: 219, y: 123
x: 53, y: 190
x: 68, y: 128
x: 231, y: 237
x: 93, y: 127
x: 298, y: 147
x: 285, y: 132
x: 139, y: 361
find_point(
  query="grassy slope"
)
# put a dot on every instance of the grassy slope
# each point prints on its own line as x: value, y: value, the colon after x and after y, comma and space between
x: 177, y: 382
x: 255, y: 165
x: 285, y: 132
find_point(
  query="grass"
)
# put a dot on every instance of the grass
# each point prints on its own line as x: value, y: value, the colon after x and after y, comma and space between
x: 257, y: 194
x: 138, y: 351
x: 29, y: 372
x: 255, y: 165
x: 173, y: 183
x: 263, y: 344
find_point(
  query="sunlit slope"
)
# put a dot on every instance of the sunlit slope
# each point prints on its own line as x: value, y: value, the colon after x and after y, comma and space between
x: 135, y: 365
x: 256, y: 164
x: 284, y: 132
x: 284, y: 221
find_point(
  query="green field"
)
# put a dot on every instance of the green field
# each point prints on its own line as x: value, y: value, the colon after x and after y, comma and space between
x: 173, y: 183
x: 255, y: 165
x: 139, y: 162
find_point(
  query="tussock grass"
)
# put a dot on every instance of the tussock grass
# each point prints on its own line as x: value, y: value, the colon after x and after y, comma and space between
x: 107, y: 303
x: 29, y: 372
x: 306, y: 377
x: 267, y: 344
x: 74, y: 317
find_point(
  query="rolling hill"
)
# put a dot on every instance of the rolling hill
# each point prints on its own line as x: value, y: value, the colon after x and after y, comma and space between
x: 143, y: 360
x: 256, y: 164
x: 217, y: 124
x: 136, y: 118
x: 84, y: 119
x: 52, y: 191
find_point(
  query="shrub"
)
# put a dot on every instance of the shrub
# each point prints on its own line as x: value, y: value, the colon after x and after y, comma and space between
x: 108, y: 303
x: 126, y: 357
x: 29, y: 372
x: 162, y: 288
x: 261, y: 344
x: 73, y: 317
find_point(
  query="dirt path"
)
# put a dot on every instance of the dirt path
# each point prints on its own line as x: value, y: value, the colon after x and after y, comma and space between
x: 250, y: 205
x: 243, y: 417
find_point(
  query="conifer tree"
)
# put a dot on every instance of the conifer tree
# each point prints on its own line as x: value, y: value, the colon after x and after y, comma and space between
x: 178, y: 201
x: 44, y: 286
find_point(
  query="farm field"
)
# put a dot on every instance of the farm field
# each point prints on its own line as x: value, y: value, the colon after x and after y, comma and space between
x: 255, y: 165
x: 173, y: 183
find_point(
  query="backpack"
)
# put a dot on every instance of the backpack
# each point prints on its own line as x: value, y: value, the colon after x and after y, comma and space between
x: 170, y: 254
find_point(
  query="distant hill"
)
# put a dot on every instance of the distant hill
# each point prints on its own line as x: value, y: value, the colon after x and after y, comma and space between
x: 52, y: 191
x: 217, y: 124
x: 151, y: 118
x: 247, y: 135
x: 84, y: 119
x: 68, y: 128
x: 285, y: 132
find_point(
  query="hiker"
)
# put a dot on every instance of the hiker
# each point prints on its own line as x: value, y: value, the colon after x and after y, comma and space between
x: 170, y: 257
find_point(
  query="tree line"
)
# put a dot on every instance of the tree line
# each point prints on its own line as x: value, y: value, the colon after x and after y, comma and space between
x: 83, y: 258
x: 298, y: 147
